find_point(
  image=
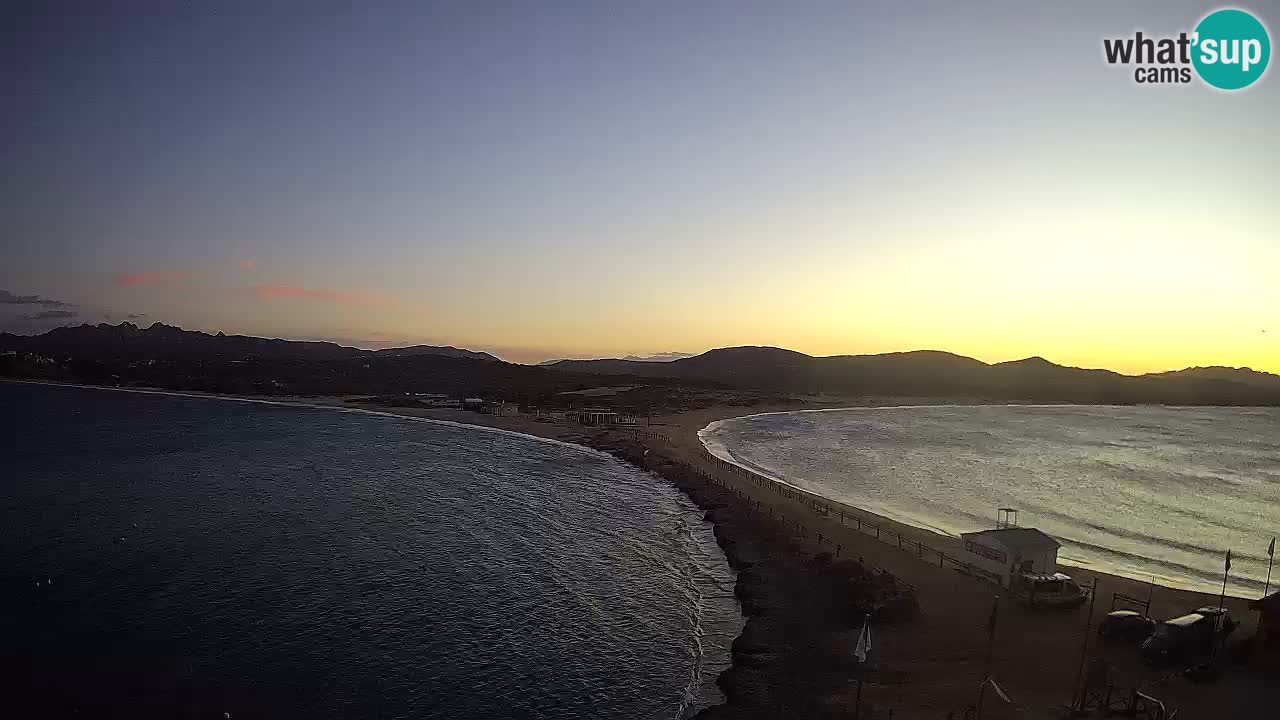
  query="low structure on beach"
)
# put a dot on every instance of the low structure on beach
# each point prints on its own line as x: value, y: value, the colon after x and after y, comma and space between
x: 1005, y: 553
x: 601, y: 416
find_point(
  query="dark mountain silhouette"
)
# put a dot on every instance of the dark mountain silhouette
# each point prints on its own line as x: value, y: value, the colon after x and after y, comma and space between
x: 443, y: 350
x: 930, y: 373
x: 127, y: 341
x: 170, y: 357
x: 173, y: 357
x: 656, y: 357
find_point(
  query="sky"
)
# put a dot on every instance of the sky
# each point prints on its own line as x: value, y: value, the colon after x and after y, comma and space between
x: 598, y: 179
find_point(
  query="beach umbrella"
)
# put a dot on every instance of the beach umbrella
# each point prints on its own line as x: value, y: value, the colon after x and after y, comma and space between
x: 863, y: 648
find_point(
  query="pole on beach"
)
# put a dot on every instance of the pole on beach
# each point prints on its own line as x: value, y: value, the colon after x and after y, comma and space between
x: 1222, y: 599
x: 862, y: 651
x: 991, y: 644
x: 1271, y: 558
x: 857, y: 703
x: 1084, y: 648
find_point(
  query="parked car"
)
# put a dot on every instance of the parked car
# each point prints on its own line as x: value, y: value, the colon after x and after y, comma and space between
x: 1189, y: 637
x: 1126, y: 625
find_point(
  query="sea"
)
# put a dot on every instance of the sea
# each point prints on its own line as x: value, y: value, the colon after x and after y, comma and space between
x: 176, y: 556
x: 1146, y: 492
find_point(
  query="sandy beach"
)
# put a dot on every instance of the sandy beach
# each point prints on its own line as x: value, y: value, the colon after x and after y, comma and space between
x: 934, y: 664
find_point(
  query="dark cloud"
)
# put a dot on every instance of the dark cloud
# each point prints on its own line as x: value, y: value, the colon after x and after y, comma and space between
x: 8, y: 298
x: 53, y: 315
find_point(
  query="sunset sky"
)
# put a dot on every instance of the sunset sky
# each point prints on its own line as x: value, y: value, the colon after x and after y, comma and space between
x: 601, y: 179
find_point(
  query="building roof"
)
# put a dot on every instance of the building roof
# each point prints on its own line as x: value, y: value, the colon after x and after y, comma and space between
x: 1017, y: 538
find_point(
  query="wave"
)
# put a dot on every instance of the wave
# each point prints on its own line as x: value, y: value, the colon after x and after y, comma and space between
x: 1156, y: 503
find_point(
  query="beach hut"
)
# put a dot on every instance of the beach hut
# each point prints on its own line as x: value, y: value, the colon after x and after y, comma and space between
x: 1005, y: 553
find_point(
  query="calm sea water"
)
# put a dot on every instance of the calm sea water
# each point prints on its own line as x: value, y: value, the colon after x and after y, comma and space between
x: 1138, y: 491
x: 165, y: 556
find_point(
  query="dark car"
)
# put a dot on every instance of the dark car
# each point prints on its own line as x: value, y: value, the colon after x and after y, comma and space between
x: 1187, y: 638
x: 1126, y: 625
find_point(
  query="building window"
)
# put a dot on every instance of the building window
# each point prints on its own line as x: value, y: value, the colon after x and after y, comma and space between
x: 984, y: 551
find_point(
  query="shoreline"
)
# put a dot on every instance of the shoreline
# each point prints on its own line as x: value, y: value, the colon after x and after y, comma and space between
x: 946, y: 535
x: 930, y: 665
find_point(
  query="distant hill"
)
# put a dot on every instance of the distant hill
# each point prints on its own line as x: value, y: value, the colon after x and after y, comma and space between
x: 170, y: 357
x: 656, y: 357
x: 443, y: 350
x: 173, y: 357
x: 660, y: 357
x: 930, y: 373
x: 127, y: 341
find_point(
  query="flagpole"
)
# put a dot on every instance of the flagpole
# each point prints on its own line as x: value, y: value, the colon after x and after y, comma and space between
x: 862, y: 651
x: 1084, y: 648
x: 991, y: 644
x: 1222, y: 599
x: 1271, y: 558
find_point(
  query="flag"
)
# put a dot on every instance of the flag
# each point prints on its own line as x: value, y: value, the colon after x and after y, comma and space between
x: 1271, y: 549
x: 991, y: 622
x: 863, y: 648
x: 1228, y: 561
x: 999, y: 690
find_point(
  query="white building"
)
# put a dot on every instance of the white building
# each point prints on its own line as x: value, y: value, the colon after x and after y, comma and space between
x: 1005, y: 553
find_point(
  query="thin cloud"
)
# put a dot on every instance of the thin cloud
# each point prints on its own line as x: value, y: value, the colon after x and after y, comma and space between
x: 8, y: 298
x: 248, y: 263
x: 333, y: 296
x: 135, y: 316
x: 154, y: 277
x: 53, y: 315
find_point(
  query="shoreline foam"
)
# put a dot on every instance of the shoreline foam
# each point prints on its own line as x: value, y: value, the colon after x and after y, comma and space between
x: 1184, y: 577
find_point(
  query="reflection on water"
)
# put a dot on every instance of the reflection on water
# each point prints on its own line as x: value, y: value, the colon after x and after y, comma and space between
x: 1140, y: 491
x: 170, y: 557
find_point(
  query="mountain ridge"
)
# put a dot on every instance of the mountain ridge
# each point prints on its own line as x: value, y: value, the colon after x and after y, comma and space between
x: 161, y: 337
x: 118, y: 351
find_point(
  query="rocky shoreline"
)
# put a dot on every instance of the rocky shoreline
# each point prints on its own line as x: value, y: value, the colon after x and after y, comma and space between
x: 803, y: 608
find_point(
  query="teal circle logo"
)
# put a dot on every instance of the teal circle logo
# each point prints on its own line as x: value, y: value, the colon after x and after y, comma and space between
x: 1231, y: 49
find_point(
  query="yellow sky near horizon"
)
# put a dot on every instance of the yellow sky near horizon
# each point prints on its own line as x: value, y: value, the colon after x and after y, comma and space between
x: 832, y: 179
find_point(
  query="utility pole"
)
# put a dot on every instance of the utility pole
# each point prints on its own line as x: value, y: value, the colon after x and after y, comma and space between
x: 1084, y: 647
x: 991, y: 644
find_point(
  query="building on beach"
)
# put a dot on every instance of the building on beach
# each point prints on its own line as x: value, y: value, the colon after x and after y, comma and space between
x: 1005, y: 553
x: 601, y: 416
